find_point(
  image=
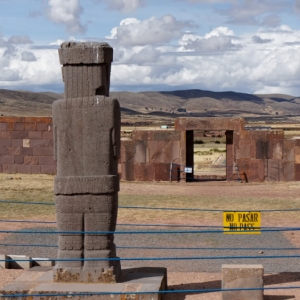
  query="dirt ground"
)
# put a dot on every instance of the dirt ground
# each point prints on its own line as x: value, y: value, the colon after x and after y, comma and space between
x: 203, y: 280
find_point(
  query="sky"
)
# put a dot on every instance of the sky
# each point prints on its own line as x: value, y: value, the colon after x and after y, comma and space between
x: 250, y: 46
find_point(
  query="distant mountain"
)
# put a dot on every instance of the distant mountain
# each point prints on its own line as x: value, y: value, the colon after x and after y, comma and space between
x: 168, y: 104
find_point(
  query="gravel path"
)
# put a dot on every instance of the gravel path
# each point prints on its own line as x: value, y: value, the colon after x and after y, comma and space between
x: 210, y: 244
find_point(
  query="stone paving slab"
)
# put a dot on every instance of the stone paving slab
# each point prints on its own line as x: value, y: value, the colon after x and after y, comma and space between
x: 39, y: 280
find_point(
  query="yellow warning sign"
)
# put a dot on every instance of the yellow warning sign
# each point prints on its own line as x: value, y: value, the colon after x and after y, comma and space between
x: 242, y: 222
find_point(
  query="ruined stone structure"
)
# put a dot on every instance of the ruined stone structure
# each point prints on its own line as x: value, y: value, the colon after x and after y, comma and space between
x: 87, y: 145
x: 26, y: 146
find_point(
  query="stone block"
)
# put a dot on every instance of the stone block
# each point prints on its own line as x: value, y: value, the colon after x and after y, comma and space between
x: 17, y: 143
x: 26, y: 143
x: 19, y: 159
x: 297, y: 176
x: 51, y: 170
x: 19, y: 134
x: 157, y: 151
x: 144, y: 172
x: 14, y: 150
x: 297, y: 154
x: 30, y: 126
x: 19, y: 126
x: 35, y: 169
x: 3, y: 150
x: 5, y: 135
x: 47, y: 160
x: 166, y: 135
x: 288, y: 150
x: 127, y: 170
x: 43, y: 151
x: 3, y: 126
x: 42, y: 126
x: 42, y: 262
x: 244, y: 149
x: 240, y: 277
x: 256, y: 171
x: 9, y: 169
x: 31, y: 160
x: 35, y: 135
x: 3, y: 263
x: 7, y: 159
x: 27, y: 151
x: 5, y: 142
x: 141, y: 152
x: 23, y: 169
x: 161, y: 171
x: 91, y: 53
x: 289, y: 170
x: 275, y: 170
x: 19, y: 262
x: 277, y: 149
x: 39, y: 143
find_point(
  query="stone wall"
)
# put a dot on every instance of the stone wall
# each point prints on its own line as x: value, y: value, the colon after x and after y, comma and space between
x: 26, y: 145
x: 147, y: 156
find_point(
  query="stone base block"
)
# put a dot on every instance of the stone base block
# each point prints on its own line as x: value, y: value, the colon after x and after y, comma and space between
x: 20, y: 262
x: 239, y: 277
x: 42, y: 262
x: 3, y: 262
x: 39, y: 281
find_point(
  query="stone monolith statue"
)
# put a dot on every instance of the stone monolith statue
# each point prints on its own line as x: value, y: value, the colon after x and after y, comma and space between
x: 87, y: 145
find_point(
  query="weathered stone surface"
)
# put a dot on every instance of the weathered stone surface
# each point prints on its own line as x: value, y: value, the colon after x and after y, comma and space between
x: 242, y: 277
x: 244, y: 150
x: 87, y: 149
x: 289, y: 170
x: 3, y: 262
x: 256, y: 171
x: 135, y: 283
x: 209, y: 124
x: 288, y: 150
x: 144, y: 172
x: 19, y: 262
x: 274, y: 170
x: 297, y: 154
x: 162, y: 171
x: 141, y: 150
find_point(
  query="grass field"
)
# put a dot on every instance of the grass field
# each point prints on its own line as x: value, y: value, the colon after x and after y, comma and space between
x: 214, y: 196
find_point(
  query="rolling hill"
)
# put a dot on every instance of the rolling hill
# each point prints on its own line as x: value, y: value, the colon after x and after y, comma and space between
x: 165, y: 104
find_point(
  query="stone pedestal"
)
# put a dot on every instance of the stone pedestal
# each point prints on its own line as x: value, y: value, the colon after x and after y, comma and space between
x: 242, y: 276
x: 135, y: 283
x: 87, y: 147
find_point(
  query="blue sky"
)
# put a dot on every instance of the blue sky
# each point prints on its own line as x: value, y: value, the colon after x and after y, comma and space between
x: 250, y: 46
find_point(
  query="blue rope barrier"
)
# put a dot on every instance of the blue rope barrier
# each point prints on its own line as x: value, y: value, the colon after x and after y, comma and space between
x: 209, y: 210
x: 27, y: 221
x: 165, y: 248
x: 199, y: 291
x: 162, y: 258
x: 21, y: 202
x: 162, y: 208
x: 29, y: 245
x: 146, y: 232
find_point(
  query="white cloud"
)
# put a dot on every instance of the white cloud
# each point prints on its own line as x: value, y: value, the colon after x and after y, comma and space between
x: 66, y: 12
x: 261, y: 61
x: 125, y: 6
x: 151, y: 31
x: 27, y: 56
x: 19, y: 39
